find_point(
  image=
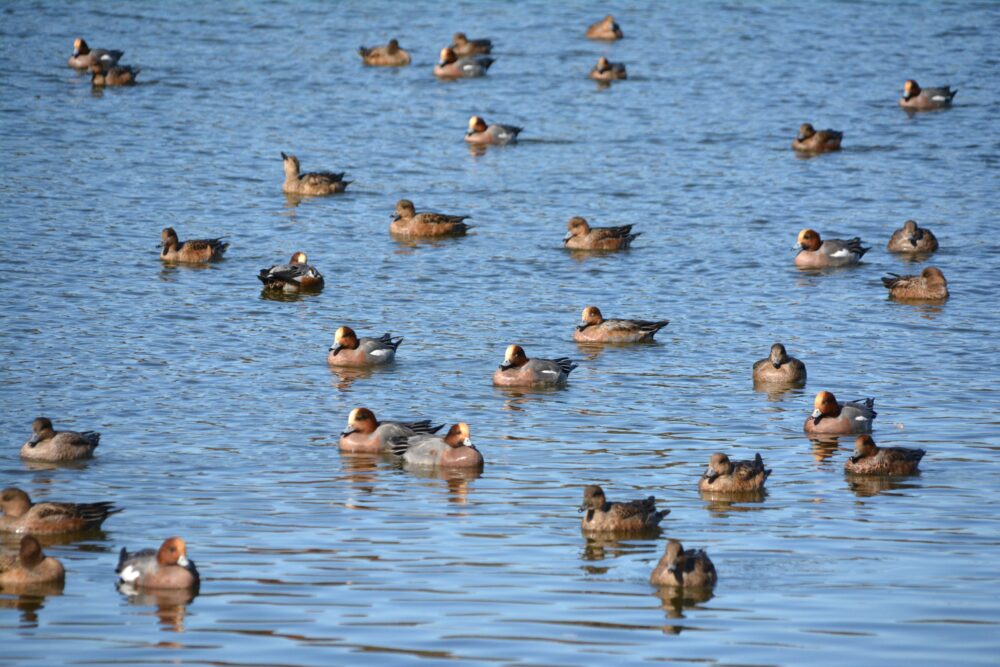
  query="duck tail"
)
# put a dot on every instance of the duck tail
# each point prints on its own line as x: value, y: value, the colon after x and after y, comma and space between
x: 122, y: 558
x: 890, y: 280
x: 399, y: 445
x: 93, y: 437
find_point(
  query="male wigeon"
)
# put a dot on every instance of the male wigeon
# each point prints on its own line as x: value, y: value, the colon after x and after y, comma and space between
x: 605, y: 70
x: 779, y: 368
x: 581, y: 236
x: 349, y: 350
x: 454, y: 450
x: 30, y: 566
x: 312, y: 184
x: 296, y: 276
x: 463, y: 46
x: 365, y: 433
x: 605, y: 30
x: 498, y: 135
x: 727, y: 476
x: 832, y: 418
x: 633, y: 516
x: 104, y: 74
x: 192, y: 251
x: 911, y: 238
x: 20, y: 515
x: 450, y: 66
x: 519, y: 371
x: 83, y: 56
x: 168, y: 567
x: 870, y: 459
x: 810, y: 140
x: 47, y: 444
x: 930, y: 285
x: 390, y: 55
x: 593, y: 328
x: 407, y: 222
x: 916, y: 98
x: 815, y: 253
x: 684, y: 569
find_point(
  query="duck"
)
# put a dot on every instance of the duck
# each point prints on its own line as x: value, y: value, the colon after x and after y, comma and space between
x: 778, y: 367
x: 581, y: 236
x: 30, y: 566
x: 916, y: 98
x: 83, y: 56
x: 930, y: 285
x: 633, y: 516
x: 407, y: 222
x: 912, y: 238
x: 349, y: 350
x: 104, y: 74
x: 168, y: 567
x: 425, y: 450
x: 832, y: 418
x: 519, y: 371
x: 312, y: 184
x: 192, y: 251
x: 606, y: 30
x: 726, y: 476
x: 463, y: 46
x: 815, y: 253
x: 593, y: 328
x: 605, y: 70
x: 450, y: 66
x: 390, y: 55
x: 47, y: 444
x: 809, y: 140
x: 870, y: 459
x: 296, y: 276
x: 20, y: 515
x: 684, y: 569
x: 366, y: 434
x: 496, y: 134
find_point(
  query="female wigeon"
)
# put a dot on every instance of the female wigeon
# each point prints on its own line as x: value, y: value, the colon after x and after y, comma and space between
x: 519, y: 371
x: 916, y: 98
x: 365, y: 433
x: 312, y: 184
x: 30, y: 566
x: 605, y: 30
x: 684, y: 569
x: 779, y: 368
x: 814, y: 253
x: 450, y: 66
x: 911, y: 238
x: 455, y: 450
x: 930, y: 285
x: 349, y: 350
x: 104, y: 74
x: 20, y: 515
x: 390, y: 55
x: 167, y: 568
x: 498, y: 135
x: 870, y: 459
x: 809, y: 140
x: 726, y: 476
x: 605, y: 70
x: 47, y: 444
x: 192, y: 251
x: 463, y: 46
x: 581, y: 236
x: 407, y: 222
x: 83, y: 56
x: 296, y: 276
x: 832, y: 418
x: 633, y: 516
x: 593, y: 328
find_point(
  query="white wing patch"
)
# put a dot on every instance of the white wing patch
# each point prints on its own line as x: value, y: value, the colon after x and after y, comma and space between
x: 843, y: 252
x: 551, y: 372
x: 861, y: 418
x: 129, y: 574
x: 380, y: 353
x: 939, y: 98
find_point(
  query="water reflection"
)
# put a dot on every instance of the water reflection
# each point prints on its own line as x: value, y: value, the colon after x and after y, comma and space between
x: 673, y: 601
x: 866, y: 486
x: 825, y: 446
x: 50, y: 466
x: 519, y: 398
x: 346, y: 376
x: 282, y: 295
x: 457, y: 480
x: 28, y: 599
x: 171, y: 604
x: 776, y: 392
x: 721, y: 504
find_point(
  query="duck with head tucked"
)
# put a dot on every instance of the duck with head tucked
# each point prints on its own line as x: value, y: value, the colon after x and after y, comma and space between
x: 83, y: 56
x: 192, y: 251
x: 912, y: 239
x: 605, y: 70
x: 603, y: 516
x: 606, y: 30
x: 463, y: 46
x: 450, y: 66
x: 349, y: 350
x: 832, y: 418
x: 30, y: 566
x: 779, y: 368
x: 425, y: 450
x: 916, y: 98
x: 168, y: 567
x: 684, y: 569
x: 870, y: 459
x: 727, y: 476
x: 366, y: 434
x: 311, y: 184
x: 519, y: 371
x: 581, y: 236
x: 47, y: 444
x: 103, y: 74
x: 20, y: 515
x: 390, y: 55
x: 810, y: 140
x: 930, y: 285
x: 593, y: 328
x: 406, y: 222
x: 496, y: 134
x: 296, y: 276
x: 815, y: 253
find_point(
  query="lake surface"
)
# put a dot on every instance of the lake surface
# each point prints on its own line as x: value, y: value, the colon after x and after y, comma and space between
x: 219, y: 416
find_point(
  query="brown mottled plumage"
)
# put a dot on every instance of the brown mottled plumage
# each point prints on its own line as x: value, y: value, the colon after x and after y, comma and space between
x: 930, y: 285
x: 593, y: 328
x: 810, y: 140
x: 192, y: 251
x: 30, y: 567
x: 602, y: 516
x: 870, y: 459
x: 684, y: 569
x: 20, y: 515
x: 311, y: 184
x: 606, y: 30
x: 47, y: 444
x: 911, y: 238
x: 581, y: 236
x: 390, y: 55
x: 779, y: 368
x: 726, y: 476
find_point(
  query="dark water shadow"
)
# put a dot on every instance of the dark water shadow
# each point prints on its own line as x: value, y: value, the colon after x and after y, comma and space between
x: 866, y: 486
x: 721, y: 505
x: 288, y: 297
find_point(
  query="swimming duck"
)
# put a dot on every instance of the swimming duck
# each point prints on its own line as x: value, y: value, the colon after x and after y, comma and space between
x: 606, y: 70
x: 450, y: 66
x: 809, y: 140
x: 312, y: 184
x: 832, y: 418
x: 463, y: 46
x: 390, y: 55
x: 499, y: 135
x: 911, y: 238
x: 916, y: 98
x: 104, y: 74
x: 365, y: 433
x: 684, y: 569
x: 581, y: 236
x: 296, y: 276
x: 815, y: 253
x: 593, y: 328
x: 30, y: 566
x: 192, y: 251
x: 726, y: 476
x: 83, y: 56
x: 167, y: 567
x: 605, y: 30
x: 519, y: 371
x: 47, y: 444
x: 930, y: 285
x: 407, y: 222
x: 633, y: 516
x: 870, y: 459
x: 455, y: 450
x: 779, y: 368
x: 20, y: 515
x: 349, y: 350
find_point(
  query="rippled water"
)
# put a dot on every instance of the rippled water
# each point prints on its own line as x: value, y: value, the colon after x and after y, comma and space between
x: 220, y: 417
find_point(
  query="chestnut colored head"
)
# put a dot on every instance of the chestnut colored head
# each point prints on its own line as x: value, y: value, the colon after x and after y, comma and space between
x: 344, y: 339
x: 910, y: 89
x: 477, y: 124
x: 593, y: 498
x: 80, y: 47
x: 447, y: 56
x: 514, y: 357
x: 591, y: 315
x: 458, y: 436
x: 14, y: 502
x: 778, y: 355
x: 361, y: 420
x: 809, y: 239
x: 299, y: 257
x: 30, y: 552
x: 825, y: 405
x: 173, y: 551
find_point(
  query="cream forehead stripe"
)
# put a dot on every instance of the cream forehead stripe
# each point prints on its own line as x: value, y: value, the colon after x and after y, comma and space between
x: 511, y: 351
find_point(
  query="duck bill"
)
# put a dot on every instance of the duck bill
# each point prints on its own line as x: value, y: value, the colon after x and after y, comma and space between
x: 816, y: 416
x: 568, y: 236
x: 506, y: 365
x: 710, y: 475
x: 672, y: 568
x: 800, y: 137
x: 912, y: 240
x: 395, y: 217
x: 35, y: 439
x: 334, y: 349
x: 348, y: 431
x: 797, y: 246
